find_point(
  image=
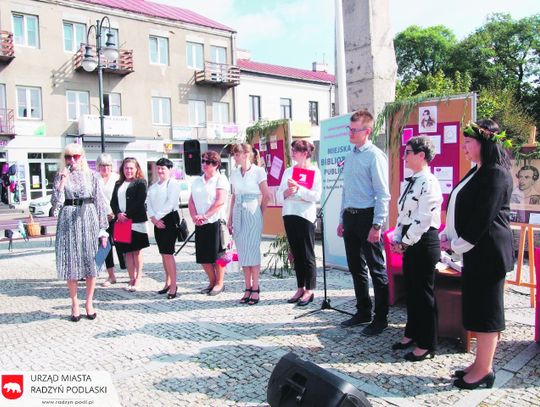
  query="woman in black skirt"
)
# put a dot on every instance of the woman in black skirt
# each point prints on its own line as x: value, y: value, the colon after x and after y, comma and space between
x: 127, y: 203
x: 417, y: 237
x: 162, y: 206
x: 207, y: 209
x: 478, y: 227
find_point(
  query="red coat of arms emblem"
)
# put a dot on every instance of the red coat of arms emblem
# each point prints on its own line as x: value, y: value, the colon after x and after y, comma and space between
x: 12, y: 386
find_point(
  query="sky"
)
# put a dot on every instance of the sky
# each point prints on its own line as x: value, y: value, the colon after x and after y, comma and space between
x: 298, y: 32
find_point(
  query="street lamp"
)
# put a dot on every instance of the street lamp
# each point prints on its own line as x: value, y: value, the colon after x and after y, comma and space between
x: 91, y: 62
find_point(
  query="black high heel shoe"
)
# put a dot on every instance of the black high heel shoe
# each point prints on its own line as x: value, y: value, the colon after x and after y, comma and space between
x: 294, y: 299
x: 253, y: 301
x: 245, y: 300
x: 401, y: 346
x: 164, y: 290
x: 411, y: 357
x: 488, y: 380
x: 91, y: 317
x: 170, y: 296
x: 459, y: 374
x: 306, y: 302
x: 74, y: 318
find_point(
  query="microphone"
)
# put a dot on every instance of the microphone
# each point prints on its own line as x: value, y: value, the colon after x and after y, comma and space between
x: 69, y: 167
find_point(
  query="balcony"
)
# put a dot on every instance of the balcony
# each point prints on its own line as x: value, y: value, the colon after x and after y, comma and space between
x: 221, y: 75
x: 7, y: 52
x: 122, y: 66
x: 6, y: 123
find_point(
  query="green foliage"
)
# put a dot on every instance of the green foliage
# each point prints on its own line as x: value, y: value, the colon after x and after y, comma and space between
x: 423, y: 51
x: 502, y: 54
x: 264, y: 127
x: 280, y: 261
x: 502, y: 106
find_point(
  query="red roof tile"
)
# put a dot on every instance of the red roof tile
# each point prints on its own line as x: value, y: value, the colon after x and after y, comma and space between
x: 161, y: 10
x: 285, y: 71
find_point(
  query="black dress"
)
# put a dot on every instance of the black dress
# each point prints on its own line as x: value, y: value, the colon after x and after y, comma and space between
x: 482, y: 210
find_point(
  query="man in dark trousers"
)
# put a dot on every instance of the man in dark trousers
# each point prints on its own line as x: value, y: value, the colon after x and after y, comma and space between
x: 364, y: 208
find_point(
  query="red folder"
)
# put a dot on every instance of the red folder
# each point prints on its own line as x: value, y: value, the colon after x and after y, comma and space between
x: 122, y: 231
x: 303, y: 177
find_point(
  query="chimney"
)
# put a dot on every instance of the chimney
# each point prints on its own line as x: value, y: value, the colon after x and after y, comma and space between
x: 243, y: 54
x: 319, y: 67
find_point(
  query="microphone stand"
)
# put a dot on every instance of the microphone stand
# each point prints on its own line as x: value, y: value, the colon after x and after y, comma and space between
x: 326, y: 301
x: 185, y: 243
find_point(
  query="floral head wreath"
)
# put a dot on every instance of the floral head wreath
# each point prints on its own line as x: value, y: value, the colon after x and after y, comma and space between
x: 477, y: 132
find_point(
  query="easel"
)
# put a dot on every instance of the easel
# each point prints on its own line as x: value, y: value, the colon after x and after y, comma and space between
x: 526, y: 231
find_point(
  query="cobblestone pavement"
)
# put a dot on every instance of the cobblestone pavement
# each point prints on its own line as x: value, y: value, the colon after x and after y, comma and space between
x: 198, y: 350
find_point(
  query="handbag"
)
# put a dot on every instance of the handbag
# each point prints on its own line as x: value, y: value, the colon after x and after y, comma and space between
x: 182, y: 231
x: 224, y: 235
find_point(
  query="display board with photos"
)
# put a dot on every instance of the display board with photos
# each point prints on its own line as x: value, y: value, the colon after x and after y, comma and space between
x: 525, y: 200
x: 440, y: 119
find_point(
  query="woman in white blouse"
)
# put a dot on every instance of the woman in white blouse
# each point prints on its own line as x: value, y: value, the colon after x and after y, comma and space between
x: 299, y: 215
x: 248, y: 202
x: 162, y: 205
x: 416, y: 236
x: 207, y: 209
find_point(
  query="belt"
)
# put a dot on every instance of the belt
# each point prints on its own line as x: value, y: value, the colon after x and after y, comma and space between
x: 357, y: 211
x: 246, y: 198
x: 78, y: 202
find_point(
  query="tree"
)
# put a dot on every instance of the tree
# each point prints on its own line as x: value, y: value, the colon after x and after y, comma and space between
x: 423, y: 51
x: 503, y: 53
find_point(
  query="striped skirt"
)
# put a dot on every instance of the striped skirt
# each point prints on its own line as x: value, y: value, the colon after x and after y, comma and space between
x: 247, y: 229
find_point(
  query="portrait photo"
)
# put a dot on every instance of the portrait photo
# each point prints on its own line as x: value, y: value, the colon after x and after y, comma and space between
x: 526, y: 192
x: 427, y: 119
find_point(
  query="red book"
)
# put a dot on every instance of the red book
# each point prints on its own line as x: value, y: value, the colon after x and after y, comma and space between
x: 122, y: 231
x: 303, y: 177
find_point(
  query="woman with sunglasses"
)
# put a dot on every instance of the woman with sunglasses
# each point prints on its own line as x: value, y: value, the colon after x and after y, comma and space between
x: 127, y: 203
x: 248, y: 201
x: 162, y: 205
x: 81, y: 227
x: 299, y: 215
x: 207, y: 209
x: 416, y: 237
x: 108, y: 178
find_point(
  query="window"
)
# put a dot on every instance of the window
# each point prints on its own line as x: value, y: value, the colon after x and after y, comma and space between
x: 111, y: 104
x: 197, y: 113
x: 195, y: 55
x: 254, y: 108
x: 78, y: 103
x: 159, y: 50
x: 286, y: 108
x: 220, y: 112
x: 161, y: 111
x: 218, y: 54
x: 25, y: 28
x: 74, y: 35
x: 333, y: 109
x: 314, y: 113
x: 28, y: 103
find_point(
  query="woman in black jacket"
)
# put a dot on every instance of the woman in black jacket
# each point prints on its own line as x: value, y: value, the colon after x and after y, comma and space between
x: 478, y: 227
x: 127, y: 203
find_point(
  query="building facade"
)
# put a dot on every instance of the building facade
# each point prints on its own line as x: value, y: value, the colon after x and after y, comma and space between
x: 175, y: 79
x: 272, y: 92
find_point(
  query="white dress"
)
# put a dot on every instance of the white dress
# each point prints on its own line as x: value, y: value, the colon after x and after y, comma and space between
x: 247, y: 215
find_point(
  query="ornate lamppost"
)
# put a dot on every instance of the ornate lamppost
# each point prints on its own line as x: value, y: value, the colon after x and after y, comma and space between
x: 91, y: 62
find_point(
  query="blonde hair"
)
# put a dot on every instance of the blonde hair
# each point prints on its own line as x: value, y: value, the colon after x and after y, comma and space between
x: 253, y: 154
x: 72, y: 149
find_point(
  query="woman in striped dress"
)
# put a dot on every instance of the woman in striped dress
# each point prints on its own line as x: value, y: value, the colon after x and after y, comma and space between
x: 248, y: 201
x: 81, y: 225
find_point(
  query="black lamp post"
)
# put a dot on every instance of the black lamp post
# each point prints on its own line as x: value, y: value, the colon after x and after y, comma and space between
x: 91, y: 62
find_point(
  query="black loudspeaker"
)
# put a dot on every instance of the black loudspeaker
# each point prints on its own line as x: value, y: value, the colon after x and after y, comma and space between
x: 192, y: 157
x: 295, y: 382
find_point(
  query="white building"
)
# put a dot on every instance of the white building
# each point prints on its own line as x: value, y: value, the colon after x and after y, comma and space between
x: 273, y: 92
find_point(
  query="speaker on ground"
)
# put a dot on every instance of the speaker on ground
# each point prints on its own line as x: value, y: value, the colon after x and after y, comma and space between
x: 295, y: 382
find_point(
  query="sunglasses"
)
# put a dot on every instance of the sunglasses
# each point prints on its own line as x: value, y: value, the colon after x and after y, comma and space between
x: 208, y: 162
x: 74, y: 156
x: 354, y: 131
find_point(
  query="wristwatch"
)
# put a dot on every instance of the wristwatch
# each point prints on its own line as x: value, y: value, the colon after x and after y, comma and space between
x: 376, y: 227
